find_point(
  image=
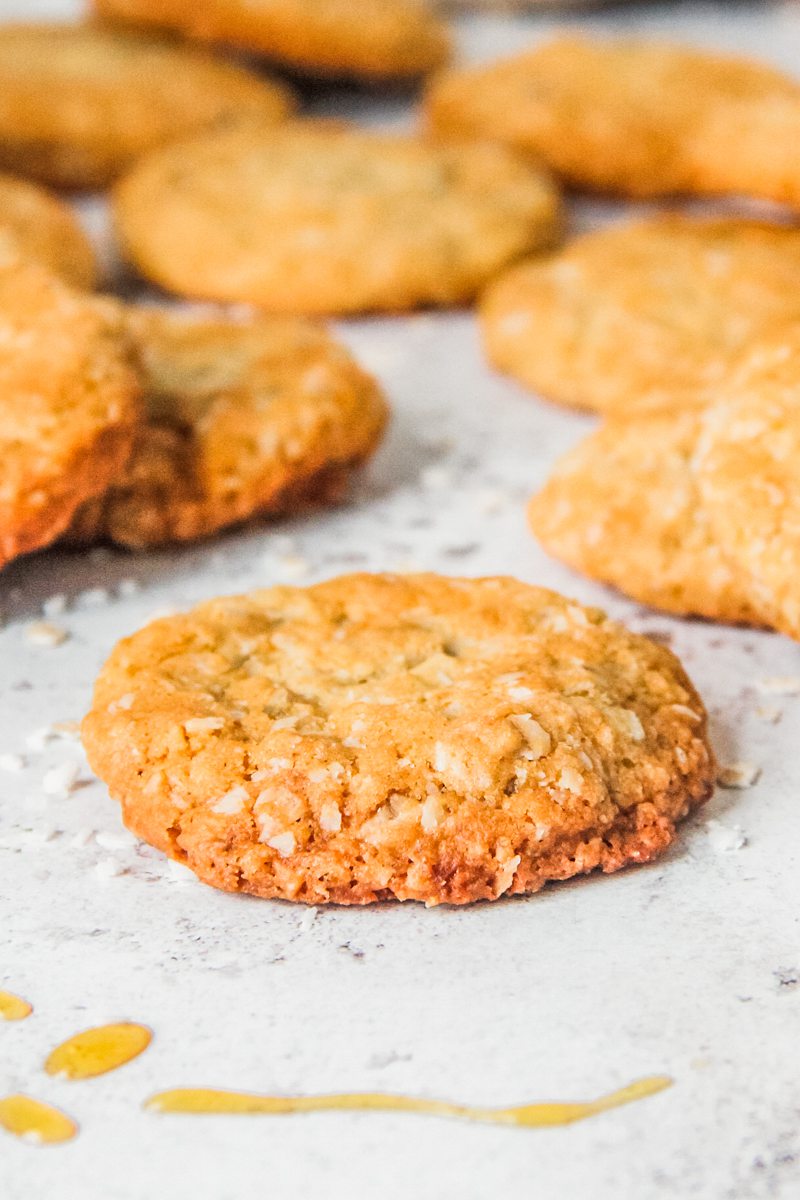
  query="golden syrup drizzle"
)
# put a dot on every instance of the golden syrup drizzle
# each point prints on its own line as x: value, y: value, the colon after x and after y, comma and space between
x: 14, y: 1008
x: 529, y: 1116
x: 96, y: 1051
x: 35, y: 1121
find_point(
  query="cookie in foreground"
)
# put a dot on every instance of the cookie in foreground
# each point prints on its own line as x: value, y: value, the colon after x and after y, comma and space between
x: 69, y: 403
x: 316, y: 218
x: 646, y: 315
x: 367, y: 39
x: 624, y: 507
x: 748, y: 467
x: 379, y: 737
x: 79, y: 103
x: 38, y: 226
x: 243, y: 418
x: 634, y: 117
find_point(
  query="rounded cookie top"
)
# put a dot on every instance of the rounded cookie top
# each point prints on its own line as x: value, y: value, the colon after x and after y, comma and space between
x: 378, y: 39
x: 643, y: 315
x: 641, y: 118
x: 316, y: 219
x: 624, y: 507
x: 38, y: 226
x: 416, y: 737
x: 79, y: 103
x: 68, y: 404
x: 748, y: 471
x: 242, y: 418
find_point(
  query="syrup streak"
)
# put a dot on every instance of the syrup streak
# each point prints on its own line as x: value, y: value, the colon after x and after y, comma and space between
x: 14, y: 1008
x: 530, y: 1116
x: 98, y: 1050
x: 34, y: 1121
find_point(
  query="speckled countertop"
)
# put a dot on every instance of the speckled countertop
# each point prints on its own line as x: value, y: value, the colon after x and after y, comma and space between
x: 690, y: 967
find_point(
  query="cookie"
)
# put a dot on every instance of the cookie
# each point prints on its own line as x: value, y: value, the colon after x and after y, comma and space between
x: 414, y: 738
x: 69, y: 402
x: 79, y: 103
x: 643, y: 315
x: 624, y: 507
x: 243, y: 418
x: 37, y: 226
x: 636, y: 118
x: 748, y: 468
x: 308, y: 218
x: 369, y: 39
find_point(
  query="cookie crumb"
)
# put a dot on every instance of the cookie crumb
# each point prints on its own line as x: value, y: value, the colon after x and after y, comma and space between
x: 738, y: 775
x: 13, y: 763
x: 779, y: 685
x: 61, y: 780
x: 725, y: 837
x: 45, y: 633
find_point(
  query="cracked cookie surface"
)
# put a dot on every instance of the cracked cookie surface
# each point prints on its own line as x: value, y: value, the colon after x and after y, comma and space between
x: 242, y: 418
x: 415, y: 737
x: 281, y: 217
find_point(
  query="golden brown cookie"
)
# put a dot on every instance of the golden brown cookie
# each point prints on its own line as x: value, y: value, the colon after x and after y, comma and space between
x: 639, y: 118
x: 416, y: 738
x: 624, y: 507
x: 79, y: 103
x: 748, y: 471
x: 643, y: 315
x: 243, y: 418
x: 371, y: 39
x: 313, y: 219
x: 38, y: 226
x: 68, y: 404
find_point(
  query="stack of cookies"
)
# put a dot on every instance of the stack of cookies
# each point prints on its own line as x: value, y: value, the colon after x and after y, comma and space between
x: 378, y: 737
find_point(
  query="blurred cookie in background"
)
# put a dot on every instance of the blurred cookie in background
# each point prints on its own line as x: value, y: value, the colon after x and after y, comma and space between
x: 38, y: 226
x: 79, y: 103
x: 634, y: 117
x: 643, y: 315
x: 317, y: 218
x: 361, y: 39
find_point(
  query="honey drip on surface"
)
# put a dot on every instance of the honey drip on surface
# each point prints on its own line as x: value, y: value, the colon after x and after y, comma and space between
x: 98, y: 1050
x: 529, y: 1116
x: 34, y: 1121
x: 14, y: 1008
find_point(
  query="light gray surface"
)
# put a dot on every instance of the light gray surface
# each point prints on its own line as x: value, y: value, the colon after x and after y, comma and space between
x: 689, y: 967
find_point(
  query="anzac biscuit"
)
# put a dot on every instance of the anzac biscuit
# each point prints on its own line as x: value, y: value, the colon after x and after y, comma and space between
x: 634, y: 117
x: 78, y: 103
x: 372, y: 39
x: 413, y: 738
x: 748, y: 471
x: 313, y: 219
x: 68, y: 405
x: 243, y: 418
x: 37, y: 226
x: 624, y: 507
x: 644, y: 315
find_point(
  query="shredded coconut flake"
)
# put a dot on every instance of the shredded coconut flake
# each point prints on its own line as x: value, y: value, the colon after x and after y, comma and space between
x: 203, y: 724
x: 330, y: 817
x: 284, y: 843
x: 61, y: 780
x: 725, y: 837
x: 779, y: 685
x: 12, y: 762
x: 232, y: 802
x: 538, y: 739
